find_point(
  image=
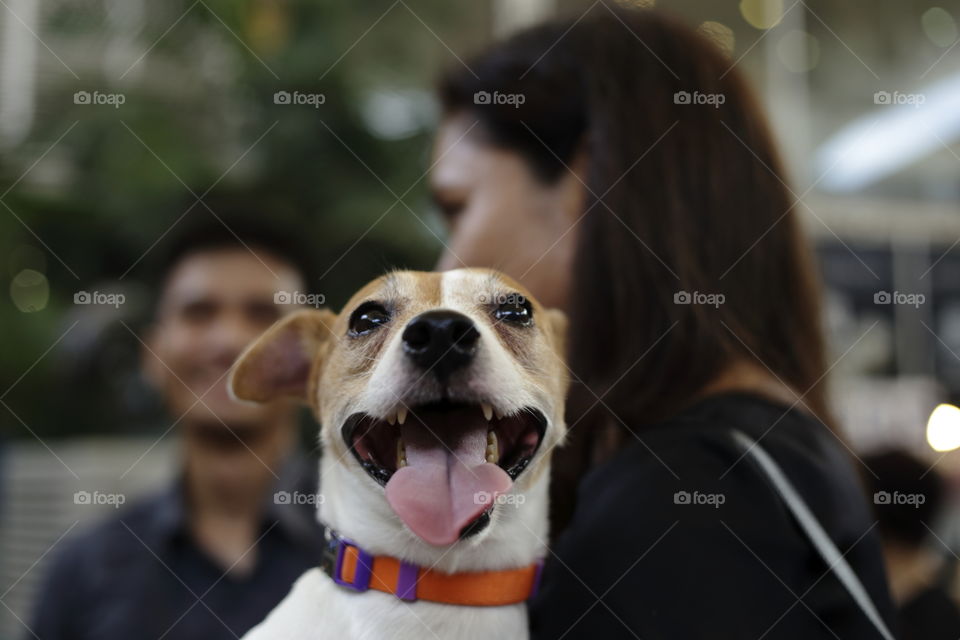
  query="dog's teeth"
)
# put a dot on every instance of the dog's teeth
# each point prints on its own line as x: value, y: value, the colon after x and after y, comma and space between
x: 493, y: 449
x: 402, y: 415
x: 487, y: 411
x: 500, y: 414
x: 392, y: 418
x: 401, y: 454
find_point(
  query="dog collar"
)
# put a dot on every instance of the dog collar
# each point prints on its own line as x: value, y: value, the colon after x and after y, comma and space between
x: 353, y: 568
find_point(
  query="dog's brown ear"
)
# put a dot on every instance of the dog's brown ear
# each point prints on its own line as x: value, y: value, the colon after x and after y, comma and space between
x: 279, y: 363
x: 556, y: 328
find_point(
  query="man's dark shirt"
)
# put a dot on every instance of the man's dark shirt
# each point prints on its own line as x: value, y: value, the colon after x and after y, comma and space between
x: 141, y: 576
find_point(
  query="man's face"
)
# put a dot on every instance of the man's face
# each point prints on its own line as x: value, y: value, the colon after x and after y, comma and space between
x: 214, y: 303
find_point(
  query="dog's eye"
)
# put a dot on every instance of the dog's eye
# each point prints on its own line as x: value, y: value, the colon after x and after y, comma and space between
x: 515, y: 310
x: 368, y: 317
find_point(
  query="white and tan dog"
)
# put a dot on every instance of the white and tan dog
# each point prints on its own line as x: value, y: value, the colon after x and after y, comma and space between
x: 440, y: 396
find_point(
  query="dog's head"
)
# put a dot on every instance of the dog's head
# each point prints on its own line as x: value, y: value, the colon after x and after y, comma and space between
x: 447, y: 389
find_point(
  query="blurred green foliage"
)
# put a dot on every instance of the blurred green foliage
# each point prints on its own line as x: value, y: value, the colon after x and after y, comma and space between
x: 93, y: 189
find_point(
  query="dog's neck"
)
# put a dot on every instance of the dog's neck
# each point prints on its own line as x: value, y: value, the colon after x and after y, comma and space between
x: 356, y: 508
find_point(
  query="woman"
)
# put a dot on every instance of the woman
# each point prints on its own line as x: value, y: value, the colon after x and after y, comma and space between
x: 620, y: 168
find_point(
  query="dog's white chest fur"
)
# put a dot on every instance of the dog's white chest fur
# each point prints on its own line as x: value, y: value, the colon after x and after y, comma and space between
x: 318, y: 609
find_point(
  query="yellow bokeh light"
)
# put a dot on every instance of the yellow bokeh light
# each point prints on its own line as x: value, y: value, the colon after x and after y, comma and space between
x: 762, y: 14
x: 943, y: 428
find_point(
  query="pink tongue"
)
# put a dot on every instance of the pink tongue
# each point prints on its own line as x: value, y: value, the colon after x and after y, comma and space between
x: 445, y: 485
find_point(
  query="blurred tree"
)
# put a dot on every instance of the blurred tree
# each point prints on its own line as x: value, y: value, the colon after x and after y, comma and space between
x: 324, y: 108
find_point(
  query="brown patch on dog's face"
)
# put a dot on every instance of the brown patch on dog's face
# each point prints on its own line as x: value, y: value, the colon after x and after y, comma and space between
x: 354, y: 359
x: 352, y: 356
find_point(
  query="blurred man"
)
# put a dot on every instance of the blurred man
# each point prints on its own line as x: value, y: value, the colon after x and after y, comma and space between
x: 209, y: 556
x: 908, y: 499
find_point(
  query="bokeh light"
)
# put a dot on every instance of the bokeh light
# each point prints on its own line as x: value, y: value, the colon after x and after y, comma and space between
x: 762, y: 14
x: 798, y: 51
x: 943, y: 428
x: 30, y: 291
x: 939, y: 26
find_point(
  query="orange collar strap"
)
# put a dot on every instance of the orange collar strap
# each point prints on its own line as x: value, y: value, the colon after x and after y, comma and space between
x: 353, y: 568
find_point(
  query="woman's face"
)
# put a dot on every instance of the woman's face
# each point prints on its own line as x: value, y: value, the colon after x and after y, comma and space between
x: 500, y: 215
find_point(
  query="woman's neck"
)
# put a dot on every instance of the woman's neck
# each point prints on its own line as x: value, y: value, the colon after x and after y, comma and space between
x: 739, y: 377
x: 743, y: 376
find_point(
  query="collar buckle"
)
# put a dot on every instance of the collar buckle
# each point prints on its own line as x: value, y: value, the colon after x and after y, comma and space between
x: 332, y: 561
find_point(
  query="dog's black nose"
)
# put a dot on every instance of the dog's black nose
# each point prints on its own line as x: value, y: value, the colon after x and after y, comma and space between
x: 441, y: 341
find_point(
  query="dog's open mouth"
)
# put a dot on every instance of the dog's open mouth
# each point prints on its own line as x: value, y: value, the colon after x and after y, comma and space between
x: 444, y: 464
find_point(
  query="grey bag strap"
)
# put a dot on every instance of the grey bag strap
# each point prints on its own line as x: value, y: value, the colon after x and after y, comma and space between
x: 814, y: 531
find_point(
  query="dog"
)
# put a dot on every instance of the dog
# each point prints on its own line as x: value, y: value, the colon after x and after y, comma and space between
x: 441, y: 396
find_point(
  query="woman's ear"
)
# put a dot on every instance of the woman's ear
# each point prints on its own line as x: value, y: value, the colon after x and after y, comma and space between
x: 280, y: 362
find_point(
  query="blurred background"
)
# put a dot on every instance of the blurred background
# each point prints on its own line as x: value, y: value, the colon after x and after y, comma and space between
x: 117, y: 115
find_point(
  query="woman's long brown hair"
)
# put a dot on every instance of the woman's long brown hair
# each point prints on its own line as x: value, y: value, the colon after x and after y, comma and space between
x: 686, y: 196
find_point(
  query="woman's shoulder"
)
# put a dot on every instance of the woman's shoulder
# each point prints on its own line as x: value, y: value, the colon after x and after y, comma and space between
x: 681, y: 515
x: 702, y: 442
x: 696, y: 460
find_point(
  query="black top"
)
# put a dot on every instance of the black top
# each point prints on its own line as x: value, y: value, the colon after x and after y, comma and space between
x: 930, y: 615
x: 142, y: 575
x: 679, y: 536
